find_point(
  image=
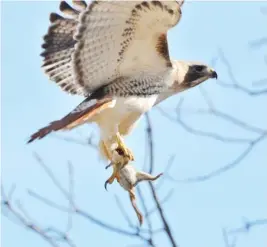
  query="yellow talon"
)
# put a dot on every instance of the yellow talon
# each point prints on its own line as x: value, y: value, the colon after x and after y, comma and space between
x: 120, y: 158
x: 114, y: 175
x: 122, y: 149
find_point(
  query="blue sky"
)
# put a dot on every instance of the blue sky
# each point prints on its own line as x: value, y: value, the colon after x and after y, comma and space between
x: 198, y: 211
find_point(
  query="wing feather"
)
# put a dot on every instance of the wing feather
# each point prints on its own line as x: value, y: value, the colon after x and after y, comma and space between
x: 105, y: 40
x: 121, y: 38
x: 58, y: 48
x: 80, y: 4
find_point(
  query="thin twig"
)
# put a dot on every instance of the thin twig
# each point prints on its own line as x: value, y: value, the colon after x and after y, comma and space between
x: 77, y: 210
x: 201, y: 133
x: 162, y: 216
x: 225, y: 116
x: 248, y: 225
x: 29, y: 225
x: 234, y: 82
x: 162, y: 202
x: 48, y: 202
x: 152, y: 189
x: 124, y: 213
x: 87, y: 143
x: 148, y: 220
x: 166, y: 171
x: 224, y: 168
x: 51, y: 175
x: 150, y: 143
x: 71, y: 196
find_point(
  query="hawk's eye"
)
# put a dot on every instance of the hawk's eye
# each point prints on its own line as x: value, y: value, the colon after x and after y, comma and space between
x: 199, y: 68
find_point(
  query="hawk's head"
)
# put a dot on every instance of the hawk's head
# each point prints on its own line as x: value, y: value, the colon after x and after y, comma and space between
x: 190, y: 74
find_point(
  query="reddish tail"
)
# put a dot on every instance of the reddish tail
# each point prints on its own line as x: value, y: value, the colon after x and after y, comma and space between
x: 78, y: 116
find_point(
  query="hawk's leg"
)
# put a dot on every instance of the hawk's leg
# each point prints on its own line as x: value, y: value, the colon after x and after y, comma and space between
x: 121, y: 156
x: 115, y: 175
x: 104, y: 151
x: 122, y: 150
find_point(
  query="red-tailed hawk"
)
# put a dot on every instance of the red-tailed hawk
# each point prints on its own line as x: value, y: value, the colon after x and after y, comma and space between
x: 115, y: 54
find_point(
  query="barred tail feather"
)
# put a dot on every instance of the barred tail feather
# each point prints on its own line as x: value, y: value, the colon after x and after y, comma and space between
x: 81, y: 114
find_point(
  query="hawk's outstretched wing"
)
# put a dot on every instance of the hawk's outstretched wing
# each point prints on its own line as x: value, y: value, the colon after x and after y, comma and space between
x: 106, y: 40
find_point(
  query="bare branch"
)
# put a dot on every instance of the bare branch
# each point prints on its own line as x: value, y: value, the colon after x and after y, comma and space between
x: 245, y: 228
x: 222, y: 169
x: 234, y: 82
x: 152, y: 189
x: 166, y: 171
x: 88, y: 141
x: 27, y: 222
x: 260, y: 82
x: 149, y: 223
x: 227, y: 117
x: 124, y: 213
x: 162, y: 216
x: 24, y: 212
x: 258, y: 43
x: 241, y: 88
x: 162, y: 202
x: 248, y: 225
x: 51, y: 175
x: 48, y: 202
x: 71, y: 196
x: 227, y: 240
x: 77, y: 210
x: 178, y: 119
x: 150, y: 143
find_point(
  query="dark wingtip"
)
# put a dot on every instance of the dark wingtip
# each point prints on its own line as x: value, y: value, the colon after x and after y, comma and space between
x: 63, y: 6
x: 54, y: 17
x: 67, y: 9
x: 44, y: 54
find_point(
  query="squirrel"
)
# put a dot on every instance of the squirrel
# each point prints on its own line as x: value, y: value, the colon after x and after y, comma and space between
x: 128, y: 177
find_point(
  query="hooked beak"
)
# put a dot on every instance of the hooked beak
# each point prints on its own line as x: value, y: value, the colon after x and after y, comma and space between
x: 213, y: 74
